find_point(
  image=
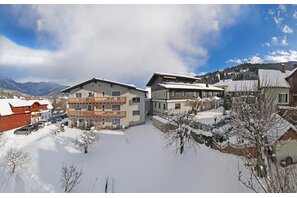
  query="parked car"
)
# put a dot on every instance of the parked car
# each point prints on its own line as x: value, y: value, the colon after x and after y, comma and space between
x: 52, y: 120
x: 41, y: 124
x: 34, y: 127
x: 23, y: 131
x: 58, y: 118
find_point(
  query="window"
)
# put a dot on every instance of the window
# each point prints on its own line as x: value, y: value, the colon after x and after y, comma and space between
x: 177, y: 105
x: 155, y: 104
x: 115, y: 93
x: 103, y: 107
x: 159, y: 105
x: 91, y: 94
x: 90, y: 107
x: 282, y: 98
x: 103, y: 93
x: 78, y: 95
x: 116, y: 107
x: 183, y: 93
x: 172, y: 93
x: 103, y: 121
x: 164, y: 106
x: 136, y: 100
x: 77, y: 107
x: 136, y: 112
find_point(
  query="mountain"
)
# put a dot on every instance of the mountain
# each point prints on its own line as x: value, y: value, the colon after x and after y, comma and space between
x: 245, y: 71
x: 31, y: 88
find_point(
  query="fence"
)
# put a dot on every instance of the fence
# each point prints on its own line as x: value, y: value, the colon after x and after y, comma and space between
x: 241, y: 150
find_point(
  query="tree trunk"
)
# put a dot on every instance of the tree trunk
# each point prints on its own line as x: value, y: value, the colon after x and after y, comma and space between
x: 86, y: 149
x: 181, y: 148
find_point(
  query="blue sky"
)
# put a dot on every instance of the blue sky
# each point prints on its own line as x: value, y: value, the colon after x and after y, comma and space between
x: 52, y: 43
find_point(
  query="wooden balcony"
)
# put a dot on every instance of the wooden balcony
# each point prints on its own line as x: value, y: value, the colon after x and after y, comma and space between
x: 98, y: 100
x: 84, y: 113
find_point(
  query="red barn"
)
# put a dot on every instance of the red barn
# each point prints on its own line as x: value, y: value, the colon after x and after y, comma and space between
x: 15, y: 113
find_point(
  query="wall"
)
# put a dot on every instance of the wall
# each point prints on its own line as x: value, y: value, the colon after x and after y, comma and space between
x: 100, y: 87
x: 275, y: 92
x: 292, y: 80
x: 14, y: 121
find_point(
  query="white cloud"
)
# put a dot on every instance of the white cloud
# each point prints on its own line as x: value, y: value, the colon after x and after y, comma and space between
x: 278, y: 21
x: 295, y: 14
x: 120, y: 42
x: 286, y: 29
x: 272, y: 57
x: 253, y: 59
x: 271, y: 12
x: 277, y: 41
x: 236, y: 60
x: 282, y: 8
x: 284, y: 41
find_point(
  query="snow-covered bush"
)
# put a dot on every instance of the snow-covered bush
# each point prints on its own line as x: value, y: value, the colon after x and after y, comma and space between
x: 86, y: 140
x: 15, y: 159
x: 70, y: 177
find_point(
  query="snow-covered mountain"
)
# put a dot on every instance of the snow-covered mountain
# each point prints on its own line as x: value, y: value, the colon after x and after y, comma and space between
x: 31, y: 88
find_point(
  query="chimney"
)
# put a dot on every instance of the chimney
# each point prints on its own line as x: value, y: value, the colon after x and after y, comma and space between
x: 282, y: 68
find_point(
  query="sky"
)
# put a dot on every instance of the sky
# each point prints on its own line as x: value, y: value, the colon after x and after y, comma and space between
x: 128, y: 43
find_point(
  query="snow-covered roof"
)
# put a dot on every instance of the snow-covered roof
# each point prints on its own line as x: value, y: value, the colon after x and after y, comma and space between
x: 195, y: 86
x: 291, y: 72
x: 177, y: 75
x: 5, y: 108
x: 5, y: 104
x: 103, y: 80
x: 192, y: 78
x: 280, y: 128
x: 238, y: 85
x: 273, y: 78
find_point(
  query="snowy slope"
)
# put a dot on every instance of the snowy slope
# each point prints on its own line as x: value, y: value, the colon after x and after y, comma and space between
x: 135, y: 161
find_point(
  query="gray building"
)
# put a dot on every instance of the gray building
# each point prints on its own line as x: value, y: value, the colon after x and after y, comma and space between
x: 169, y: 92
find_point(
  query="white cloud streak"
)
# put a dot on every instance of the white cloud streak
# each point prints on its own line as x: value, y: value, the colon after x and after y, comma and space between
x: 277, y: 56
x: 121, y: 42
x: 287, y: 30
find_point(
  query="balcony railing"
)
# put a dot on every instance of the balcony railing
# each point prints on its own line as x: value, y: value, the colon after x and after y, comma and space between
x: 84, y: 113
x: 105, y: 100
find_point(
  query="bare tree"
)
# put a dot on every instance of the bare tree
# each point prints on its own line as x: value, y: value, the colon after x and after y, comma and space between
x: 255, y: 121
x: 86, y: 140
x: 179, y: 133
x: 15, y: 159
x: 70, y: 177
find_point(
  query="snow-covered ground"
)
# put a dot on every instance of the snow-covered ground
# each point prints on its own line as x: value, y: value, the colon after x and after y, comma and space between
x: 135, y: 161
x: 207, y: 117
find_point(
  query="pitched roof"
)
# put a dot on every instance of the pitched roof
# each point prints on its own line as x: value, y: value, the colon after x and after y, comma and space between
x: 238, y: 85
x: 190, y: 86
x: 291, y: 73
x: 169, y: 74
x: 5, y: 105
x: 131, y: 86
x: 280, y: 128
x: 273, y: 78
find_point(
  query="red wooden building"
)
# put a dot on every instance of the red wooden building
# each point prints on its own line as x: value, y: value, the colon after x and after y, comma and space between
x: 15, y: 113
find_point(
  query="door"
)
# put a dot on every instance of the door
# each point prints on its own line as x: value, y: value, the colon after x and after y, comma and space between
x: 116, y: 123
